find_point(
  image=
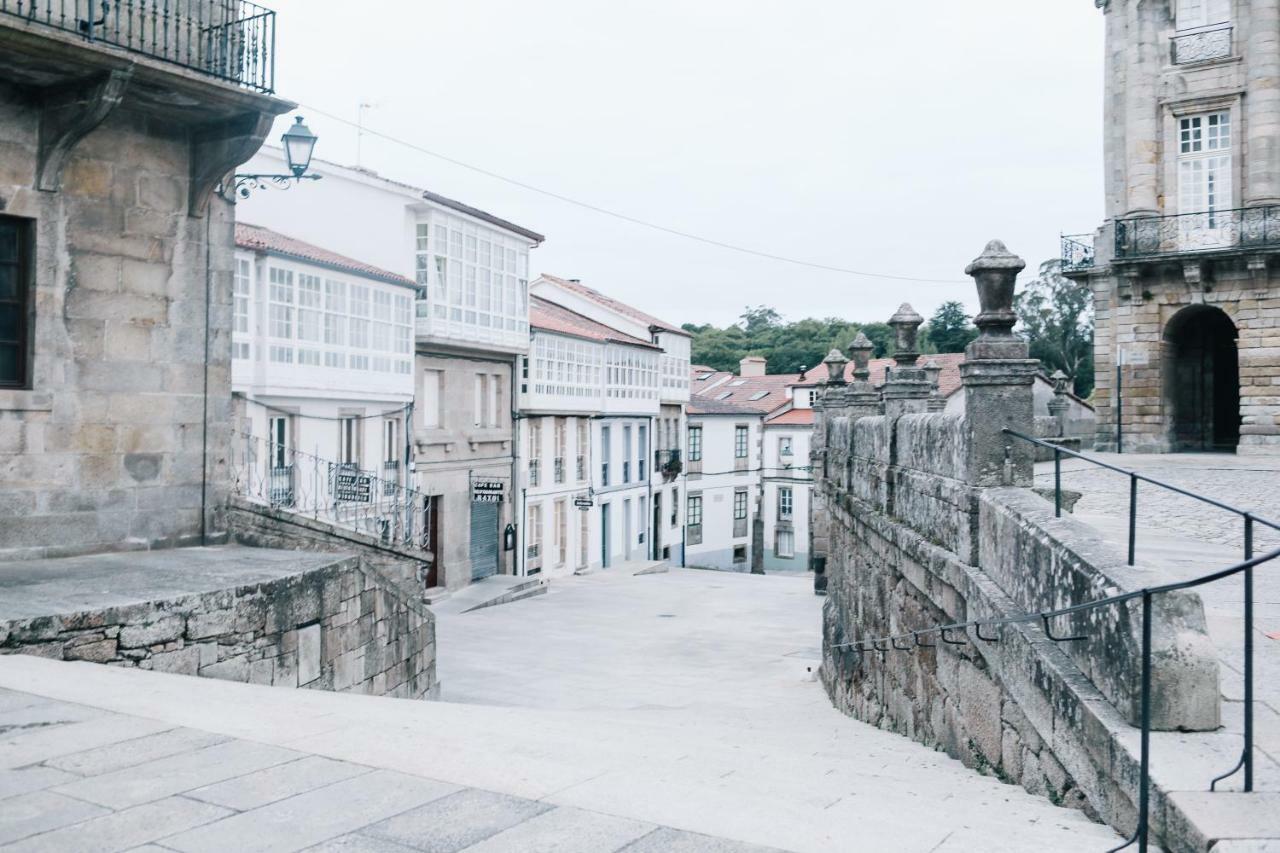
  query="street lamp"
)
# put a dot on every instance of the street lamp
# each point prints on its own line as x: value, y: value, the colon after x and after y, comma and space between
x: 299, y: 144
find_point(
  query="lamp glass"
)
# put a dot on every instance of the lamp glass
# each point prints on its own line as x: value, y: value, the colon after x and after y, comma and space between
x: 299, y: 143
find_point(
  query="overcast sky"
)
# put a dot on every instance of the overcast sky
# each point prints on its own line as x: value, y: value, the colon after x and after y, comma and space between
x: 893, y: 138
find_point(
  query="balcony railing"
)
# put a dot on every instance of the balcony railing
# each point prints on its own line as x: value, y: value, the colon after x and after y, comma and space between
x: 1201, y: 45
x: 231, y: 40
x: 1077, y: 252
x: 534, y: 466
x: 1215, y: 230
x: 668, y: 462
x: 581, y: 469
x: 559, y: 469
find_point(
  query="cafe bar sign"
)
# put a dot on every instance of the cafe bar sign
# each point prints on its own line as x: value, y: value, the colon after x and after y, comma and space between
x: 487, y: 491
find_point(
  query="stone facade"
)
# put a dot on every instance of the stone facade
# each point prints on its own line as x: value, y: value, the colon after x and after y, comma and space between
x: 343, y: 626
x: 1188, y: 301
x: 929, y: 520
x: 108, y: 162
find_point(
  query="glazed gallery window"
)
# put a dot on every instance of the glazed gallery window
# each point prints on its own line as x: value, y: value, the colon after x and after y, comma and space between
x: 467, y: 273
x: 280, y: 314
x: 1202, y: 13
x: 15, y: 312
x: 242, y: 295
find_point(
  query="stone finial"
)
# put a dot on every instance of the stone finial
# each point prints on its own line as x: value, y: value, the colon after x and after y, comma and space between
x: 1060, y: 381
x: 906, y: 326
x: 861, y: 349
x: 933, y: 370
x: 835, y: 362
x: 996, y: 272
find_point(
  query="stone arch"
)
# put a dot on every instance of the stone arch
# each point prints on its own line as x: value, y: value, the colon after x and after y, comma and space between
x: 1202, y: 380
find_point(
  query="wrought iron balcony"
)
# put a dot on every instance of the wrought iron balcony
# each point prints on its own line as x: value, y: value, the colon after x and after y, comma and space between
x: 534, y: 466
x: 1077, y: 252
x: 1187, y: 233
x: 231, y: 40
x: 668, y: 462
x: 1201, y: 45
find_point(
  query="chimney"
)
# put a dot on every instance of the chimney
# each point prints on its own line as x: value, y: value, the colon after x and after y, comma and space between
x: 752, y: 365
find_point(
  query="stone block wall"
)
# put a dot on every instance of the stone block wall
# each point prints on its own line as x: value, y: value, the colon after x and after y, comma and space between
x: 342, y: 627
x: 107, y: 449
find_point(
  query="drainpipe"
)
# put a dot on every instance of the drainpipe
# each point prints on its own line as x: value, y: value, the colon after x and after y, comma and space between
x: 652, y: 541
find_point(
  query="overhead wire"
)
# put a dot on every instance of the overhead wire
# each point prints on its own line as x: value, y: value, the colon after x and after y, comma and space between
x: 644, y: 223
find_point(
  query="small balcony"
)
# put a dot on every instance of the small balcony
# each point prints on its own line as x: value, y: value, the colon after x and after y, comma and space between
x: 581, y: 469
x: 559, y: 469
x: 1201, y: 45
x: 534, y: 472
x: 1247, y: 228
x: 668, y: 462
x: 230, y: 40
x: 1077, y: 252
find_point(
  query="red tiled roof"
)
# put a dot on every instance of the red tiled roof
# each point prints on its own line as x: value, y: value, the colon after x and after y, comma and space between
x: 948, y: 379
x: 791, y: 417
x: 260, y: 239
x: 550, y: 317
x: 770, y: 391
x: 711, y: 406
x: 613, y: 304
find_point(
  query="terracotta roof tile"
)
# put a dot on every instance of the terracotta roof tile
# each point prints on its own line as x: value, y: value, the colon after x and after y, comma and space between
x: 791, y: 417
x: 706, y: 406
x: 550, y: 317
x: 615, y: 305
x: 259, y: 239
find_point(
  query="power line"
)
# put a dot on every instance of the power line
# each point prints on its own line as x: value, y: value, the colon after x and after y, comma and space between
x: 625, y: 217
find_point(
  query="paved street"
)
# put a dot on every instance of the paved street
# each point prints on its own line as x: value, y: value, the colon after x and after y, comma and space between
x: 660, y: 713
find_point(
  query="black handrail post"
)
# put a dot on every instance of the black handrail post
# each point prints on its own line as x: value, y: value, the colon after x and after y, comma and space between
x: 1144, y: 784
x: 1248, y: 655
x: 1133, y: 516
x: 1057, y: 483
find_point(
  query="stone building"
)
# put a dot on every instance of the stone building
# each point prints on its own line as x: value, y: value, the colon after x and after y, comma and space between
x: 471, y: 329
x: 116, y: 262
x: 1183, y: 270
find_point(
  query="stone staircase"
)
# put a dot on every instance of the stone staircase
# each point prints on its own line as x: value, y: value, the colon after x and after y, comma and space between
x: 489, y: 592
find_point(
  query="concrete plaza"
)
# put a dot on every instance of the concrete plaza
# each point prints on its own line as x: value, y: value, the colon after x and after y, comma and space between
x: 665, y: 712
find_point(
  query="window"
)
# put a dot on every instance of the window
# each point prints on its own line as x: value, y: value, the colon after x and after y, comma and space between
x: 643, y: 456
x: 693, y: 520
x: 243, y: 287
x: 533, y: 533
x: 675, y: 507
x: 349, y: 441
x: 695, y: 444
x: 740, y: 553
x: 535, y: 450
x: 583, y: 440
x: 785, y: 546
x: 740, y: 434
x: 358, y: 325
x: 759, y: 395
x: 432, y: 388
x: 335, y: 323
x: 391, y: 448
x: 481, y: 400
x: 642, y: 517
x: 1204, y: 166
x: 561, y: 441
x: 1202, y: 13
x: 605, y: 452
x: 584, y: 538
x: 280, y: 314
x: 562, y: 531
x: 15, y: 312
x: 279, y: 438
x: 784, y: 446
x: 740, y: 505
x: 495, y: 411
x: 785, y: 503
x: 310, y: 303
x: 626, y: 454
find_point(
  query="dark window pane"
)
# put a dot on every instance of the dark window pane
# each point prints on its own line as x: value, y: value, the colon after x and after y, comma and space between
x: 10, y: 319
x: 8, y: 242
x: 8, y: 282
x: 9, y: 364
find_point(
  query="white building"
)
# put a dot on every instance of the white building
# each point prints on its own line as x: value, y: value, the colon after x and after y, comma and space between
x: 723, y: 482
x: 601, y: 420
x: 322, y: 362
x: 471, y: 331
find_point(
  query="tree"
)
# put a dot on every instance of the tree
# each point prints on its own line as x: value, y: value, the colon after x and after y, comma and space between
x: 949, y: 328
x: 1056, y: 317
x: 759, y: 319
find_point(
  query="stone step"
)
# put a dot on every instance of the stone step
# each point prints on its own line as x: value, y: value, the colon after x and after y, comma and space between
x: 435, y: 595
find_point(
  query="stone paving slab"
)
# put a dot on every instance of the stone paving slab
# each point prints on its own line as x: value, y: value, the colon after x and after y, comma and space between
x: 456, y: 822
x: 281, y: 782
x: 31, y: 588
x: 123, y: 830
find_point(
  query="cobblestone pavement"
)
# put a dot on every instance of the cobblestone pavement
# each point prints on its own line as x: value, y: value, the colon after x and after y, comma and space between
x: 671, y: 712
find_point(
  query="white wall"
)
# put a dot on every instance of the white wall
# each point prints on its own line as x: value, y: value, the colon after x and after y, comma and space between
x: 717, y: 484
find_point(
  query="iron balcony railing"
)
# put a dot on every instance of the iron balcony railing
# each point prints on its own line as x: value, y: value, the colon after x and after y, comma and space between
x: 668, y: 462
x: 534, y: 466
x: 339, y: 493
x: 1201, y: 45
x: 558, y: 469
x: 1209, y: 231
x: 231, y: 40
x: 1077, y: 252
x: 581, y: 468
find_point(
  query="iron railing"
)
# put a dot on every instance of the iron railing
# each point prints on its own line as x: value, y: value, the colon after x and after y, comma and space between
x: 581, y: 468
x: 232, y: 40
x: 1248, y: 519
x: 1208, y: 231
x: 1201, y: 45
x: 341, y: 494
x: 558, y: 469
x: 1077, y: 252
x: 534, y: 472
x: 669, y: 462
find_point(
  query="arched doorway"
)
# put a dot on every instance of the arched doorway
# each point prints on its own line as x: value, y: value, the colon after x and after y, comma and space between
x: 1202, y: 380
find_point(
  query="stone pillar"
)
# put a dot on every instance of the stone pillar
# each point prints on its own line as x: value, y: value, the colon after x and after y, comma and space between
x: 1059, y: 405
x: 1142, y: 117
x: 998, y: 377
x: 861, y: 398
x: 932, y: 371
x: 906, y: 388
x: 1262, y: 180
